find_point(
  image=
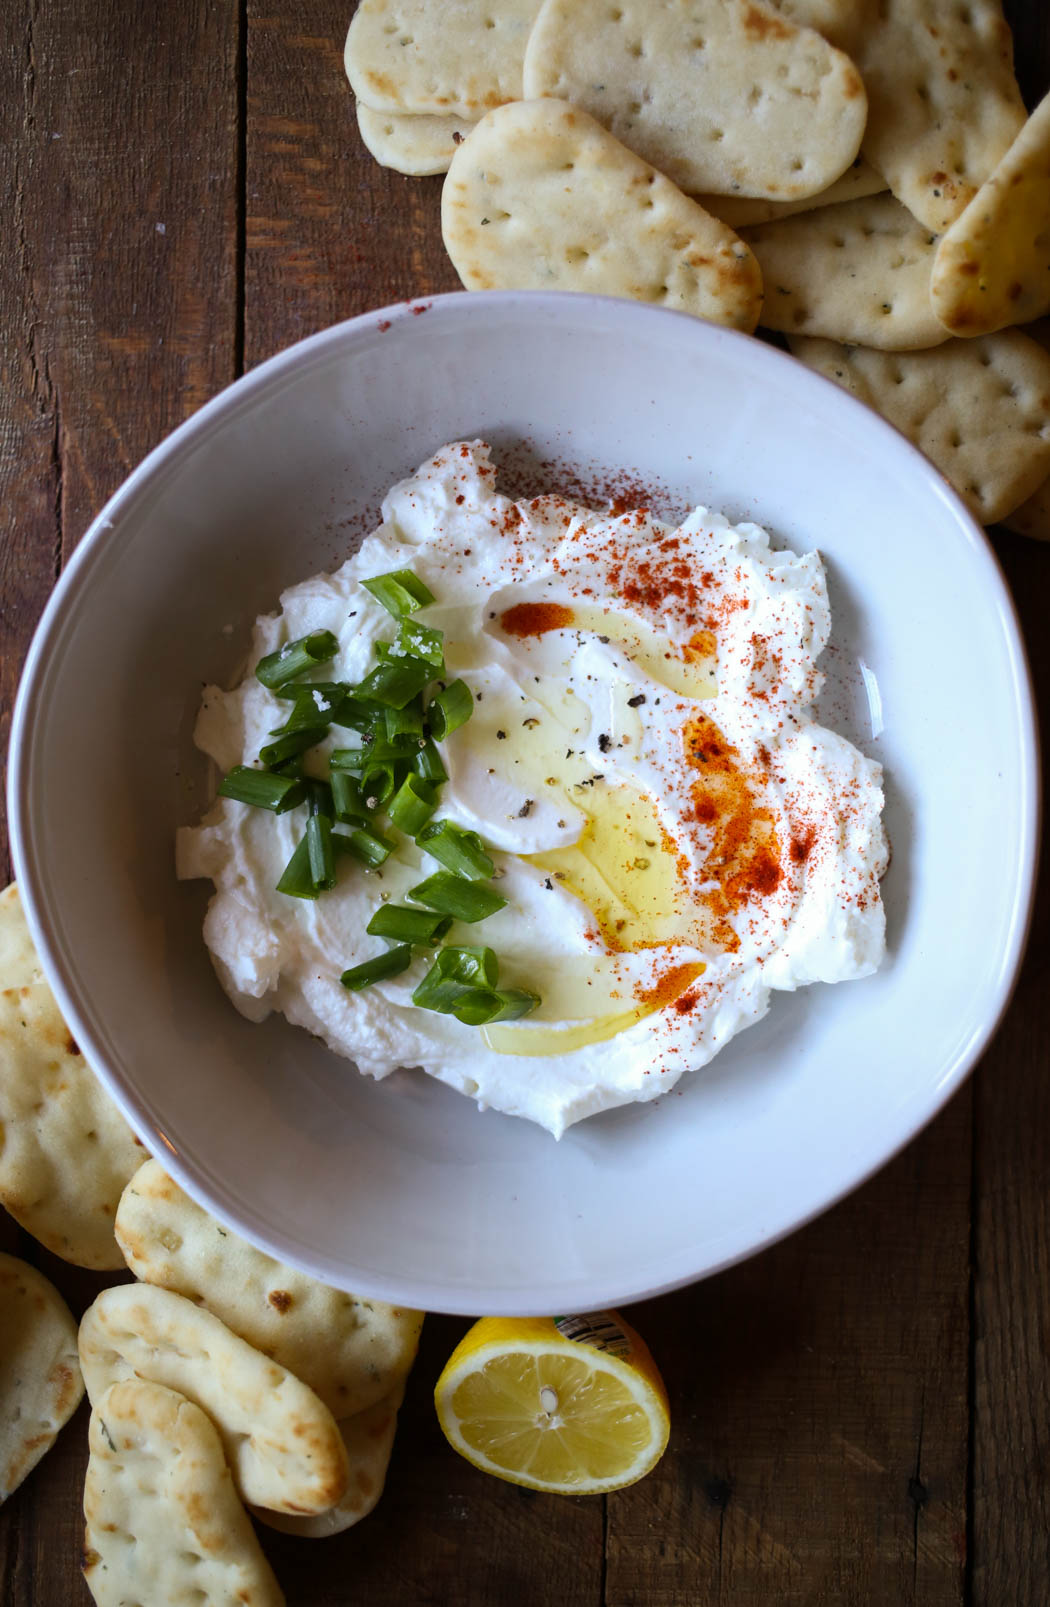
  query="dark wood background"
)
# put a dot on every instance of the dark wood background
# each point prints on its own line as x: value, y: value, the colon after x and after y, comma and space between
x: 861, y: 1415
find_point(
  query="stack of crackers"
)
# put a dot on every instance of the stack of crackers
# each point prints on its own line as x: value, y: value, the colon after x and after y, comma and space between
x: 219, y: 1380
x: 858, y: 176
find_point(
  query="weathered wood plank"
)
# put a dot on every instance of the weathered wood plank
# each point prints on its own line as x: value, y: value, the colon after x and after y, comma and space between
x: 330, y: 233
x: 1011, y: 1491
x: 118, y: 168
x: 820, y: 1410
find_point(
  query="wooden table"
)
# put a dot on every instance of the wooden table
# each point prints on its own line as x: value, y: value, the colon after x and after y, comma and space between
x: 862, y: 1414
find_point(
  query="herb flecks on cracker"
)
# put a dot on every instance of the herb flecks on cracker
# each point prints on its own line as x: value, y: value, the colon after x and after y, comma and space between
x: 541, y: 196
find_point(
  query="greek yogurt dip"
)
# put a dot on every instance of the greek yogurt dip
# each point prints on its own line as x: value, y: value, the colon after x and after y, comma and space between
x: 673, y: 834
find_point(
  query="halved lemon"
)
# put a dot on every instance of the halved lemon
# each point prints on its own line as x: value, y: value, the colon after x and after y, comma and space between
x: 568, y: 1404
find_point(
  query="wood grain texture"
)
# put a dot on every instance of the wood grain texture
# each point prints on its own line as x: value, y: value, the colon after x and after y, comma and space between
x: 820, y: 1404
x: 118, y: 168
x: 207, y: 202
x: 1011, y: 1447
x: 329, y: 233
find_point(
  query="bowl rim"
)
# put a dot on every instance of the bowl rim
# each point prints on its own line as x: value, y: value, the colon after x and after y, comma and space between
x: 190, y: 1174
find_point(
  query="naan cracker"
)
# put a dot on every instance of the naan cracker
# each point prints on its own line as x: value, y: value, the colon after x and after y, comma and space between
x: 369, y: 1440
x: 943, y: 102
x: 66, y: 1152
x: 979, y: 409
x: 992, y: 268
x: 19, y: 961
x: 40, y: 1380
x: 720, y: 95
x: 542, y: 197
x: 349, y: 1350
x: 1032, y: 518
x: 164, y: 1527
x: 282, y: 1443
x: 415, y: 145
x: 744, y: 211
x: 458, y: 59
x: 856, y: 272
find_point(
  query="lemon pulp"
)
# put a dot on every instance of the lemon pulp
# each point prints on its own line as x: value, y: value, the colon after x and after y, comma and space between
x: 522, y: 1401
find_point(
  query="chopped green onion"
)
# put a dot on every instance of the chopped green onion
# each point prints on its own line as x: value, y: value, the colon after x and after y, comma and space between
x: 513, y: 1003
x: 320, y: 852
x: 291, y: 767
x: 394, y: 682
x: 478, y: 1007
x: 262, y: 790
x: 392, y: 963
x: 378, y: 782
x: 426, y: 762
x: 421, y: 641
x: 474, y: 967
x: 295, y: 658
x: 354, y: 714
x: 412, y: 805
x: 314, y: 705
x: 364, y: 845
x: 458, y: 850
x: 455, y: 973
x: 296, y: 878
x: 450, y: 709
x: 347, y: 803
x: 467, y: 901
x: 349, y: 758
x: 400, y: 925
x: 319, y: 798
x: 400, y: 592
x: 406, y: 722
x: 293, y: 743
x: 402, y: 746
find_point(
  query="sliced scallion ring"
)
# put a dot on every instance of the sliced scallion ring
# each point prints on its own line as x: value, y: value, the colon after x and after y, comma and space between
x: 426, y: 762
x: 262, y: 790
x: 398, y: 924
x: 320, y: 852
x: 296, y: 658
x: 291, y: 744
x: 458, y: 850
x: 392, y: 963
x: 394, y: 682
x: 412, y: 805
x: 296, y: 878
x: 421, y: 641
x: 347, y: 804
x: 400, y: 592
x: 452, y: 895
x: 450, y: 709
x: 364, y: 845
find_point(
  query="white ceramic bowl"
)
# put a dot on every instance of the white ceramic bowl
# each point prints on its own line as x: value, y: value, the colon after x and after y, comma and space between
x: 402, y: 1189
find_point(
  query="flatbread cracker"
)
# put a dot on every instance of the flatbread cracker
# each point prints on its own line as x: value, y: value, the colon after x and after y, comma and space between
x: 164, y: 1527
x: 369, y: 1440
x: 1032, y: 518
x: 40, y: 1380
x: 459, y: 58
x: 19, y: 961
x: 66, y: 1152
x: 418, y: 146
x: 282, y: 1443
x: 856, y: 272
x: 720, y: 95
x: 979, y: 409
x: 350, y: 1351
x: 992, y: 268
x: 542, y: 197
x: 943, y: 102
x: 744, y: 211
